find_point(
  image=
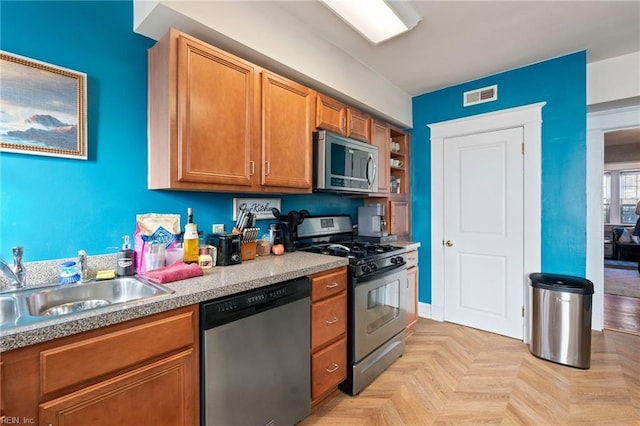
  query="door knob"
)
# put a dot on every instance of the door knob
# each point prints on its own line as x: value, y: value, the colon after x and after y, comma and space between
x: 449, y: 243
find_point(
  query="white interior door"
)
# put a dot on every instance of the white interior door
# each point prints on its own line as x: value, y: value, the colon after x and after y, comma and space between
x: 484, y: 232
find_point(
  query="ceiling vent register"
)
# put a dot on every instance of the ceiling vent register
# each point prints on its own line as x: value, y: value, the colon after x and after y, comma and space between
x: 479, y: 96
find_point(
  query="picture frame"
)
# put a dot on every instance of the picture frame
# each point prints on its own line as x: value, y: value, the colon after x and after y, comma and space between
x: 260, y: 207
x: 43, y: 108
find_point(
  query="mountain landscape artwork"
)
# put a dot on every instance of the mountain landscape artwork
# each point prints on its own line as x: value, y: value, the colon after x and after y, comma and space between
x: 41, y: 108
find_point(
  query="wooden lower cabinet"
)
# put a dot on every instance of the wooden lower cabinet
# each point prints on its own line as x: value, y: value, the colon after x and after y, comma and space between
x: 143, y: 371
x: 327, y: 365
x: 328, y: 332
x: 156, y: 394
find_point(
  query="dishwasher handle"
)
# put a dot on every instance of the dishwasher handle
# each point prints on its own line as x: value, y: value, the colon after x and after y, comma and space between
x: 221, y: 311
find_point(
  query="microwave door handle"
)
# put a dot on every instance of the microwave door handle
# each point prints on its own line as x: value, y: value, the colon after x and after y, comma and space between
x: 371, y: 166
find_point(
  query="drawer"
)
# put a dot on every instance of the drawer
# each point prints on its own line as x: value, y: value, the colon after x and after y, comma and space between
x: 328, y: 320
x: 118, y: 401
x: 89, y: 359
x: 412, y: 258
x: 327, y: 284
x: 328, y: 368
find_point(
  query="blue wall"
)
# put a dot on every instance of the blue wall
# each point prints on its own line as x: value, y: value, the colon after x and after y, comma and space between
x: 561, y: 82
x: 55, y: 206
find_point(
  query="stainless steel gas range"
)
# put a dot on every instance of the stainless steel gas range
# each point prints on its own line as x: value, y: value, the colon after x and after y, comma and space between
x: 376, y: 295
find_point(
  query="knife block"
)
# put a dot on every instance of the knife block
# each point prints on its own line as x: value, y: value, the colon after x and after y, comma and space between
x: 248, y: 250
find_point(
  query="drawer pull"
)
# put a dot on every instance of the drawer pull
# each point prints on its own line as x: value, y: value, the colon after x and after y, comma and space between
x: 333, y: 369
x: 331, y: 321
x: 334, y: 285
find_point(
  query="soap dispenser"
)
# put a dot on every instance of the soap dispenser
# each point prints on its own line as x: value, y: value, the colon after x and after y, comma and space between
x: 125, y: 259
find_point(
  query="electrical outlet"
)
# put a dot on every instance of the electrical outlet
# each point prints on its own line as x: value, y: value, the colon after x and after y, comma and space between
x: 217, y: 228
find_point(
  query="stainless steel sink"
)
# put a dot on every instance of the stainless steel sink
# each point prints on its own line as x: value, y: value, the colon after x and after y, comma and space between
x: 8, y: 310
x: 31, y: 305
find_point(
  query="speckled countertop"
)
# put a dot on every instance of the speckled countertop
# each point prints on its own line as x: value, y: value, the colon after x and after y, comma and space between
x: 217, y: 282
x: 409, y: 245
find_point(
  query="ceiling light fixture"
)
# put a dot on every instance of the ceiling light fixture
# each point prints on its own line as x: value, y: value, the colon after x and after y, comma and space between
x: 376, y: 20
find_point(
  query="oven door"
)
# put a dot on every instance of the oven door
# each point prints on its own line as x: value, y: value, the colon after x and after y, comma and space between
x: 379, y: 305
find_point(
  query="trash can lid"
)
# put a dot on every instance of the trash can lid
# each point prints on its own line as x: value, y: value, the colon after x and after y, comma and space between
x: 564, y: 283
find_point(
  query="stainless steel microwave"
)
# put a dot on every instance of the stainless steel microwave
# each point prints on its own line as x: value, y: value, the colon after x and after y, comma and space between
x: 344, y: 165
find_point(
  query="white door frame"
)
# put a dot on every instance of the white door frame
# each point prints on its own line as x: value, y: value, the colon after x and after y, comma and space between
x: 598, y: 123
x: 528, y: 117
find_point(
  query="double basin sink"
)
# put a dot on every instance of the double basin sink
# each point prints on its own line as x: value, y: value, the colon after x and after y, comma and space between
x: 29, y: 305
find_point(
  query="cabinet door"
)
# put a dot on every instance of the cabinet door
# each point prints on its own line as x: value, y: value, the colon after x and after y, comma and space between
x: 330, y: 115
x: 161, y: 393
x: 359, y: 125
x: 218, y: 116
x: 412, y: 298
x: 287, y: 115
x: 380, y: 138
x: 399, y: 214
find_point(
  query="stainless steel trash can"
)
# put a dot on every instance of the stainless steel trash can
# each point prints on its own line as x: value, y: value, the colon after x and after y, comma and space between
x: 561, y: 319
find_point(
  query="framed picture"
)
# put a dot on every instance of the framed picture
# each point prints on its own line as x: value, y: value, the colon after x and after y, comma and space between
x: 260, y: 207
x: 42, y: 108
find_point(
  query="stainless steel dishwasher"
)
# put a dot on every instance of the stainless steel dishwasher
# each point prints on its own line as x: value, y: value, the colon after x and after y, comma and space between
x: 255, y: 356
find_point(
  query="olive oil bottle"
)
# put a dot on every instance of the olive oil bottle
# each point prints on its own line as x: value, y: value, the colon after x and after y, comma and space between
x: 191, y: 245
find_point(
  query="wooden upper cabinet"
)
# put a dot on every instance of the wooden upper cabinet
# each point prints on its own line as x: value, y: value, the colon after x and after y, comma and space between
x: 330, y: 115
x: 399, y: 218
x: 336, y: 117
x: 220, y: 123
x: 359, y: 125
x: 380, y: 138
x: 287, y: 117
x: 217, y: 115
x: 203, y: 117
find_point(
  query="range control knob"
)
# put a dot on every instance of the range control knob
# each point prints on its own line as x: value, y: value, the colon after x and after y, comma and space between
x: 373, y: 267
x: 394, y: 260
x: 366, y: 268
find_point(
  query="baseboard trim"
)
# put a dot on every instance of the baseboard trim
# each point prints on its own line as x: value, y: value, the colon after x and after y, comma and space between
x: 424, y: 310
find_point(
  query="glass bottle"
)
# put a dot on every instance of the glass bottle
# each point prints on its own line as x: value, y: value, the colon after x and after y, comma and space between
x: 191, y: 243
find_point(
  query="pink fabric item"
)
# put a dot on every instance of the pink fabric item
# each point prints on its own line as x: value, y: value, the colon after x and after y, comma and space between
x: 174, y: 272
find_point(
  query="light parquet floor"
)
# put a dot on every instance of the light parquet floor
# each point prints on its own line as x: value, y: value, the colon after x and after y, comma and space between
x: 451, y: 374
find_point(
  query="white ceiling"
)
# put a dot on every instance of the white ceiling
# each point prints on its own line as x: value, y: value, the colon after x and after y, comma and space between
x: 458, y: 41
x: 622, y: 137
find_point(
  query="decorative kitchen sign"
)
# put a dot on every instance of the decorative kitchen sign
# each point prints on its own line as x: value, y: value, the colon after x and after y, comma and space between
x: 43, y: 108
x: 260, y: 207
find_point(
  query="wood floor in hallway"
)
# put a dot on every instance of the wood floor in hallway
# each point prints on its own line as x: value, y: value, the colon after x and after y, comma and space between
x: 451, y: 374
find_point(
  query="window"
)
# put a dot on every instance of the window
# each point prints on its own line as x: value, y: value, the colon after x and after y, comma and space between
x: 606, y: 197
x: 620, y: 195
x: 629, y: 195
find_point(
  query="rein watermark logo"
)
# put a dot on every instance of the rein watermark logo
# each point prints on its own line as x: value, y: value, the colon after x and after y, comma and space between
x: 17, y: 420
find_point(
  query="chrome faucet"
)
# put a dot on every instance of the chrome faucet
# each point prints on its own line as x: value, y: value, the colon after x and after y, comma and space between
x: 16, y: 274
x: 83, y: 269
